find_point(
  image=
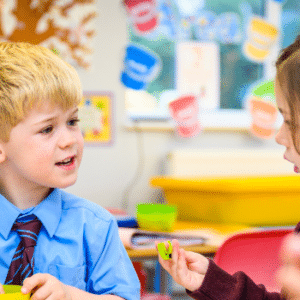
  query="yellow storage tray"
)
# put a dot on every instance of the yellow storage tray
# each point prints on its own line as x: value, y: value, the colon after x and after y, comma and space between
x: 258, y: 201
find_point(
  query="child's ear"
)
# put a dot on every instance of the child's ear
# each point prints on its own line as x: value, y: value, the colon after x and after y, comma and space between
x: 2, y: 153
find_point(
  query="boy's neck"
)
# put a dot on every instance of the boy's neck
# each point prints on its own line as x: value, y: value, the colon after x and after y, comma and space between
x: 22, y: 199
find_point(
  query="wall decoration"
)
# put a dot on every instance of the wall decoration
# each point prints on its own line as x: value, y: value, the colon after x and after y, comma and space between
x: 168, y: 26
x: 236, y: 29
x: 65, y: 26
x: 228, y: 28
x: 205, y: 29
x: 185, y: 112
x: 96, y: 118
x: 141, y: 66
x: 263, y: 109
x: 262, y: 36
x: 198, y: 72
x: 143, y: 15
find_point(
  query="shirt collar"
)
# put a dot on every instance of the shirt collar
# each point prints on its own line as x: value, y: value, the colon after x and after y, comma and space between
x: 48, y: 211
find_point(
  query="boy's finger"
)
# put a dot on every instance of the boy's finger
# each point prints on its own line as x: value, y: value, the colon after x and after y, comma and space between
x: 1, y: 289
x: 34, y: 281
x: 44, y: 292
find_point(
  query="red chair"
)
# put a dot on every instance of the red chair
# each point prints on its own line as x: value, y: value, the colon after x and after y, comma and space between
x: 255, y: 253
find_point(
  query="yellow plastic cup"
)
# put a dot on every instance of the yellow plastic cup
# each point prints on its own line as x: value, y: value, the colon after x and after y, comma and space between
x: 13, y: 292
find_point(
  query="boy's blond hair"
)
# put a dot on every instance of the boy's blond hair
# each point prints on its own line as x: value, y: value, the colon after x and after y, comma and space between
x: 29, y: 76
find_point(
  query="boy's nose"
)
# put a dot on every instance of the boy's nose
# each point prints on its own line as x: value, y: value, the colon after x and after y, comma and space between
x: 67, y: 139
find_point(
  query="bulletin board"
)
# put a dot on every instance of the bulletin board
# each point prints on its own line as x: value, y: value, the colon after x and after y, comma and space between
x: 217, y: 28
x: 96, y: 118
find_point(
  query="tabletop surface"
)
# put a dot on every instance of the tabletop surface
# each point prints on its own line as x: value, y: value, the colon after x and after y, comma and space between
x: 152, y: 253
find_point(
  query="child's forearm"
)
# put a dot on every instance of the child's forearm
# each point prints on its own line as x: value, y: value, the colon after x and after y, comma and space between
x: 77, y: 294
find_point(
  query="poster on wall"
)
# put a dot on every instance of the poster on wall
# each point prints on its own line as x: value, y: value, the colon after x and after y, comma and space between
x: 96, y: 118
x: 198, y: 72
x: 66, y: 27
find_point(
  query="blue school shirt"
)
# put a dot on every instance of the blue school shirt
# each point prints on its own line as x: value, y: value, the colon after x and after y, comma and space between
x: 78, y: 243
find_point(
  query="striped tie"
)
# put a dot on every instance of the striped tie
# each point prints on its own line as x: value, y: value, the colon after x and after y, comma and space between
x: 21, y: 266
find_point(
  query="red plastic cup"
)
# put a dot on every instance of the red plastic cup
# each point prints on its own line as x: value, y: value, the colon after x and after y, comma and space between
x: 143, y: 14
x: 264, y: 115
x: 184, y: 111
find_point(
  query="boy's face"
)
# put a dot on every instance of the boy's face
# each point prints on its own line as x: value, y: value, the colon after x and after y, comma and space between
x: 45, y: 149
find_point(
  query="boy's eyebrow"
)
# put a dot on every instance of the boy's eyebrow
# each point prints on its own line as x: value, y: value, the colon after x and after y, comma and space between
x: 54, y: 117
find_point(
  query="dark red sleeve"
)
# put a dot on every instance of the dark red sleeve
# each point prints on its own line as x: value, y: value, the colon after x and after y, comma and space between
x: 219, y: 285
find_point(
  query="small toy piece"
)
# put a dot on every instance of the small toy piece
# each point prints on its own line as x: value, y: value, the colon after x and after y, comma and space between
x: 165, y: 253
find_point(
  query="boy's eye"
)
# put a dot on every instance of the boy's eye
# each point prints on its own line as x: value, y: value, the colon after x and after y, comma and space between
x: 73, y: 122
x: 47, y: 130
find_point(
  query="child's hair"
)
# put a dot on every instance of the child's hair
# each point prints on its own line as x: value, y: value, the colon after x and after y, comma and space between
x: 288, y: 78
x: 29, y: 76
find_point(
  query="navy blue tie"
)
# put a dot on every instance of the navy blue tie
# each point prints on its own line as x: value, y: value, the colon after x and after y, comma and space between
x: 28, y: 228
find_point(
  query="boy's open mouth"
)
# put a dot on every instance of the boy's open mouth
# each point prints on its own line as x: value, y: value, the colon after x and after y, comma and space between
x: 67, y: 161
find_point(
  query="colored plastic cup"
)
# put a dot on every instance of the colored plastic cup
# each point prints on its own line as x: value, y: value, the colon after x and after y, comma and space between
x: 13, y: 292
x: 264, y: 115
x: 184, y: 111
x: 156, y: 217
x: 141, y: 66
x: 143, y: 14
x: 261, y: 37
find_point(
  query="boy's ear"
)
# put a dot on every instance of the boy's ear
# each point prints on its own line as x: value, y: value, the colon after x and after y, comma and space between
x: 2, y: 153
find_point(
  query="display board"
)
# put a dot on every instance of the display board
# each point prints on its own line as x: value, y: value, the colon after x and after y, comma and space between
x: 208, y: 48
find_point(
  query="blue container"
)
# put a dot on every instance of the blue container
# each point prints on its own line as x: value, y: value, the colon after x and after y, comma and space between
x: 141, y: 67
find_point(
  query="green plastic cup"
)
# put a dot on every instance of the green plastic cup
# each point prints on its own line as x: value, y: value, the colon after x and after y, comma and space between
x: 156, y: 217
x: 13, y: 292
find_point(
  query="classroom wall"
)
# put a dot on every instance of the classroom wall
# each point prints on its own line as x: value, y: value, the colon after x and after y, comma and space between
x: 107, y: 171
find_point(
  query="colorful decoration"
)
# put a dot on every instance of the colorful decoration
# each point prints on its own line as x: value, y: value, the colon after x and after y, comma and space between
x: 168, y: 25
x: 189, y: 7
x: 198, y: 72
x: 205, y: 25
x: 143, y: 14
x: 185, y: 29
x: 95, y: 114
x: 141, y: 66
x: 263, y: 110
x: 65, y: 27
x: 228, y: 28
x: 261, y: 37
x: 184, y: 110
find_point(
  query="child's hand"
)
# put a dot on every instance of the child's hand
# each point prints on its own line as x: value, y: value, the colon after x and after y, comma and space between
x: 45, y: 286
x: 1, y: 289
x: 187, y: 268
x: 289, y: 273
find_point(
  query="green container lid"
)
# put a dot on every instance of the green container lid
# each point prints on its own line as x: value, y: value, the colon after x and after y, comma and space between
x: 13, y: 292
x: 156, y: 217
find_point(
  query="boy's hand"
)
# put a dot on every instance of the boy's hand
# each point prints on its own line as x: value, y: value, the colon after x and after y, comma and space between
x: 1, y: 289
x: 187, y: 268
x: 45, y: 286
